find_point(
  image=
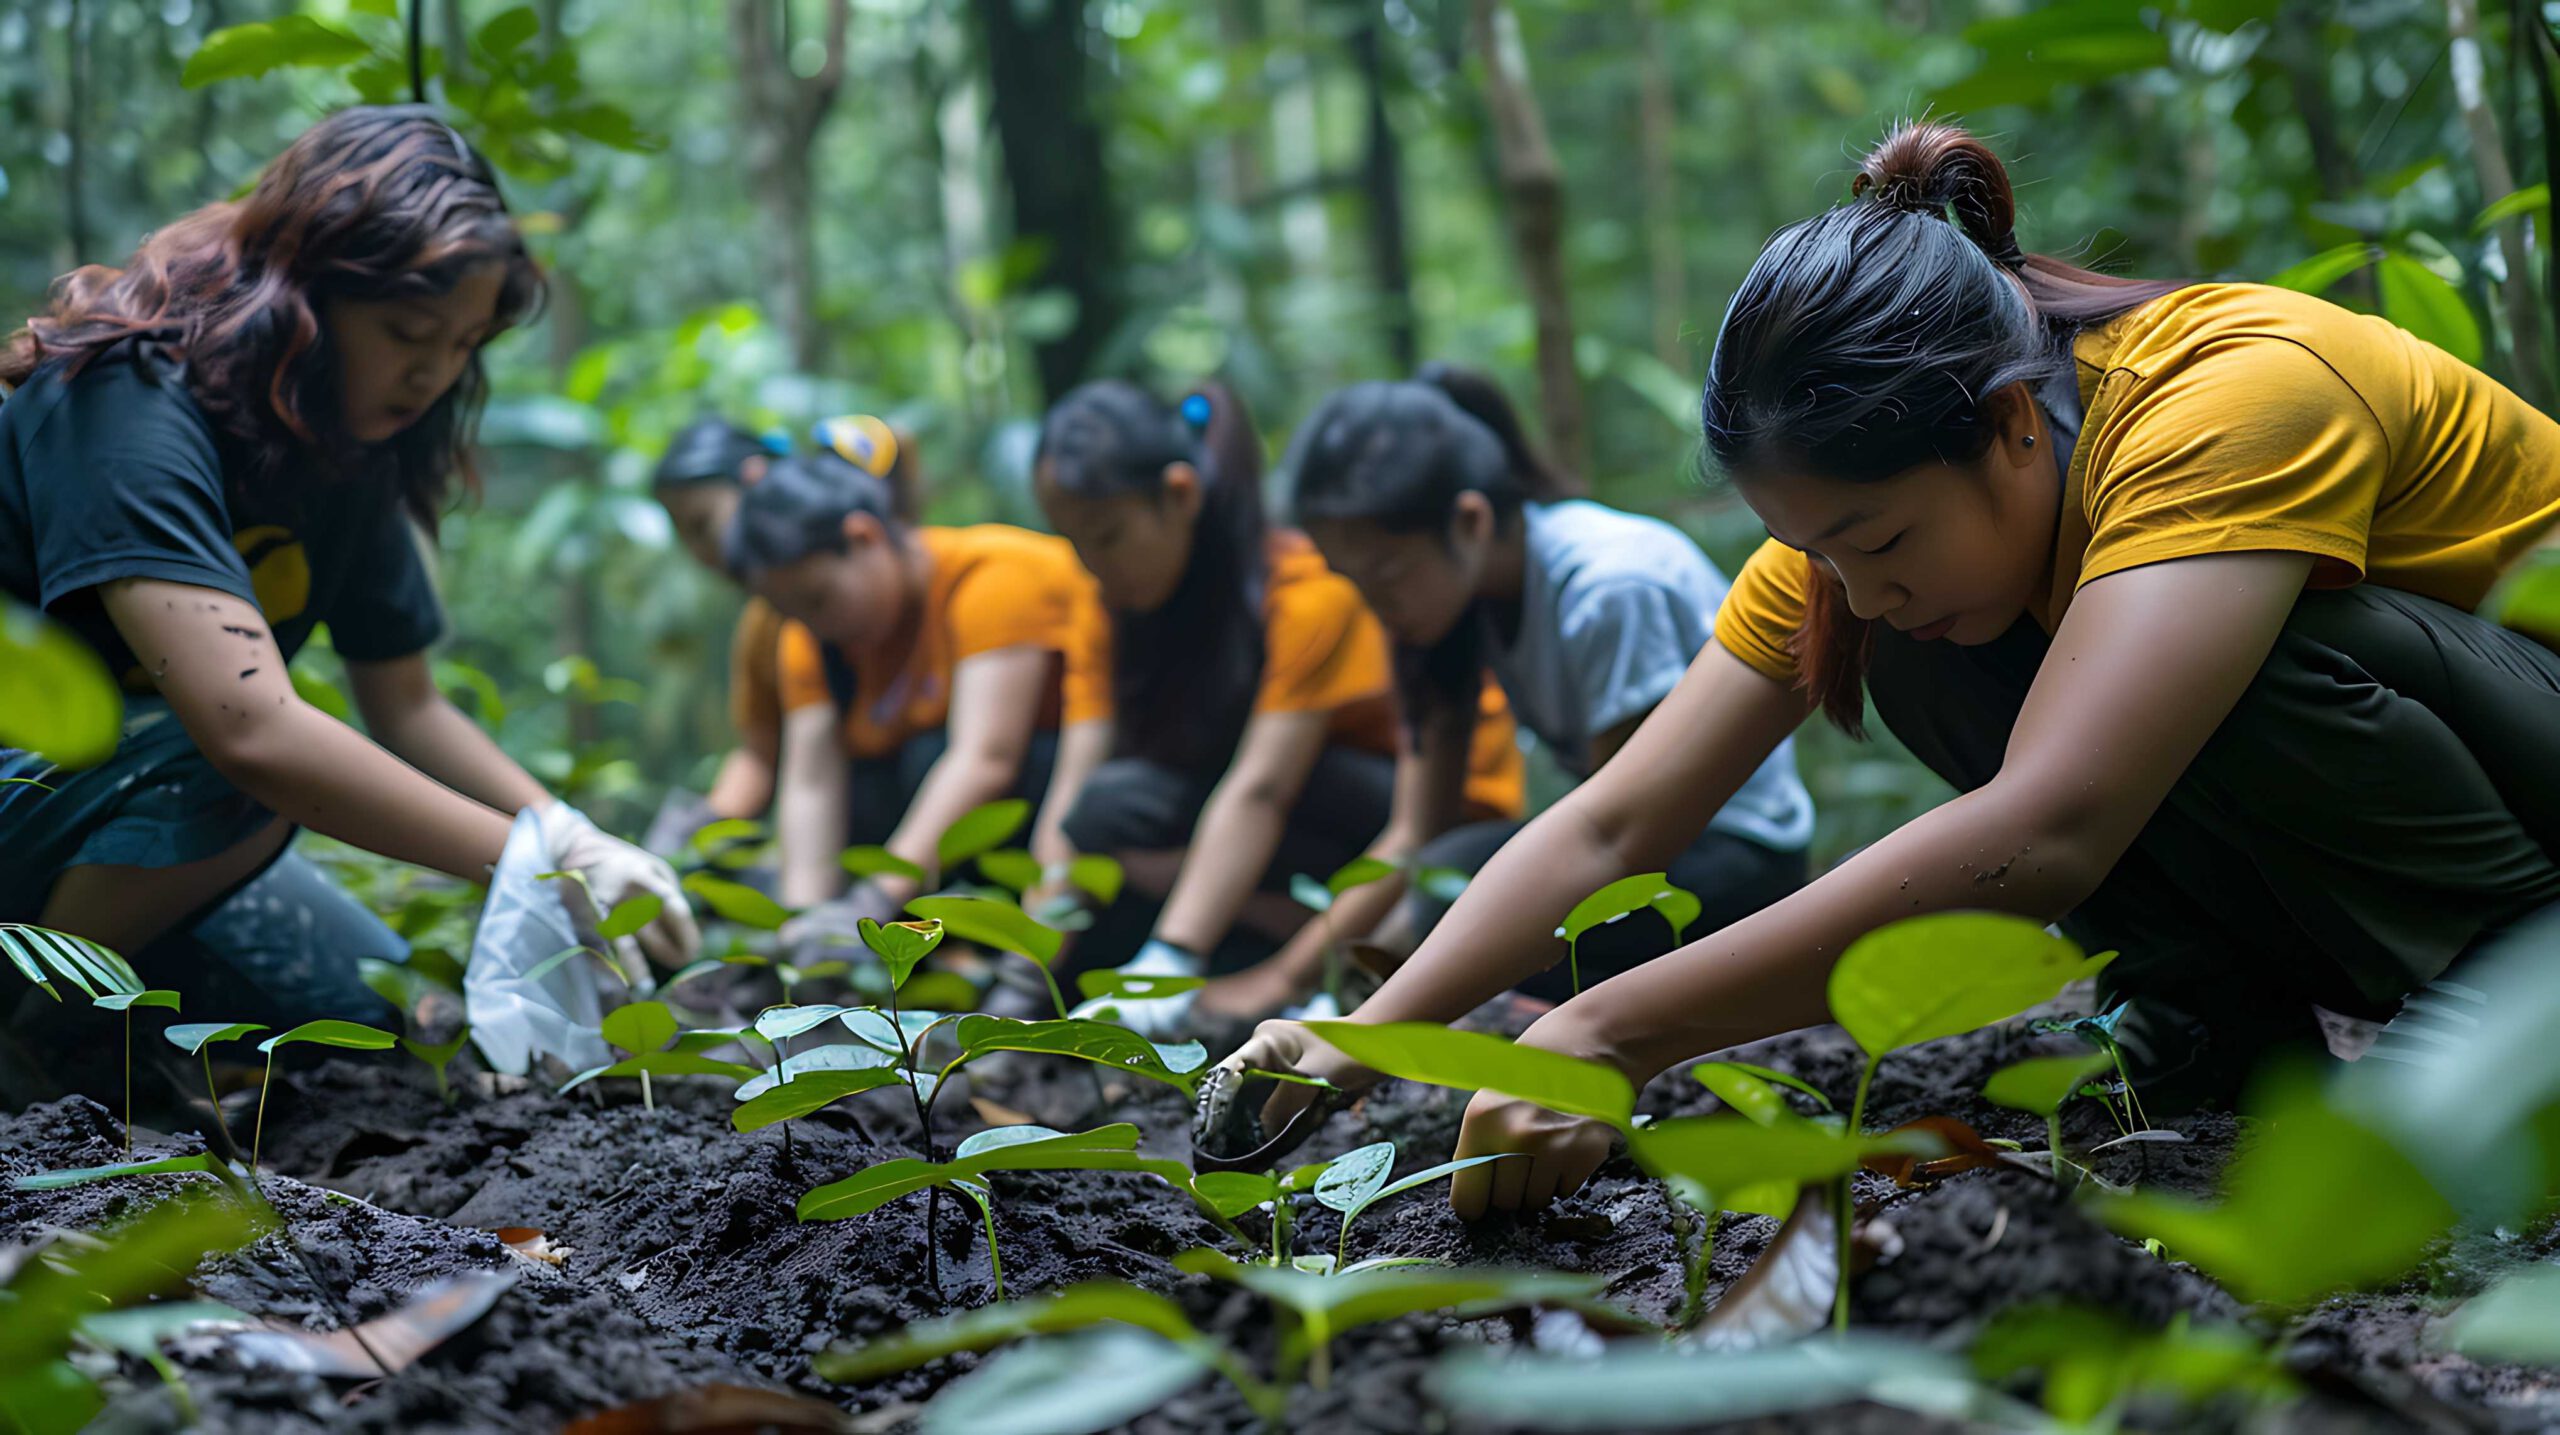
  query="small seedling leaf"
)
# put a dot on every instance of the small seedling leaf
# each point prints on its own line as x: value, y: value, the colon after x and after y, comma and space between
x: 631, y: 914
x: 353, y: 1036
x: 1106, y: 1148
x: 989, y: 923
x: 799, y: 1066
x: 1088, y: 1381
x: 1627, y: 894
x: 781, y: 1023
x: 126, y: 1001
x: 1946, y: 973
x: 1420, y: 1178
x: 1010, y: 867
x: 195, y: 1036
x: 1356, y: 1176
x: 2041, y: 1084
x: 1108, y: 982
x: 1358, y: 872
x: 1727, y: 1153
x: 872, y: 861
x: 981, y: 830
x: 437, y: 1054
x: 872, y: 1025
x: 1232, y: 1193
x: 737, y: 901
x: 640, y: 1026
x: 1745, y: 1091
x: 1103, y: 1043
x: 83, y: 963
x: 679, y: 1063
x: 711, y: 837
x: 1099, y: 877
x: 900, y: 945
x: 1074, y: 1308
x: 808, y: 1092
x: 83, y: 1175
x: 1470, y: 1060
x: 1680, y: 907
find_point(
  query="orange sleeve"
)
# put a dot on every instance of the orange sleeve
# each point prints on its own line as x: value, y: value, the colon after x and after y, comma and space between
x: 1497, y: 773
x: 998, y: 604
x: 802, y: 672
x: 1759, y: 617
x: 755, y: 677
x: 1321, y: 648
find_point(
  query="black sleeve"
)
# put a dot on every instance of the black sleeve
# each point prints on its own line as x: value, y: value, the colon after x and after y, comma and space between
x: 124, y: 482
x: 387, y: 607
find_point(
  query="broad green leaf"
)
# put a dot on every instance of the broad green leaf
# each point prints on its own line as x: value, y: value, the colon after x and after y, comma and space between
x: 1949, y: 972
x: 711, y: 1038
x: 2532, y: 199
x: 1418, y: 1179
x: 1356, y: 1175
x: 987, y: 923
x: 2091, y: 1360
x: 354, y: 1036
x: 2281, y: 1235
x: 711, y: 837
x: 1112, y: 982
x: 49, y: 1297
x: 781, y: 1023
x: 92, y: 968
x: 900, y: 945
x: 940, y: 991
x: 1725, y: 1154
x: 1441, y: 884
x: 995, y: 1137
x: 437, y: 1054
x: 1647, y: 1385
x: 1358, y: 872
x: 1325, y: 1306
x: 1309, y: 893
x: 2530, y: 601
x: 2517, y: 1320
x: 1010, y: 867
x: 873, y: 861
x: 981, y: 830
x: 2042, y: 1083
x: 1232, y: 1193
x: 872, y: 1025
x: 799, y: 1066
x: 1105, y: 1043
x: 1073, y: 1384
x: 679, y: 1063
x: 640, y: 1026
x: 1680, y: 907
x: 83, y: 1175
x: 195, y: 1036
x: 1107, y: 1148
x: 1097, y: 876
x: 56, y: 697
x: 1074, y: 1308
x: 126, y: 1001
x: 1744, y: 1091
x: 1763, y: 1073
x: 2319, y: 273
x: 241, y: 51
x: 803, y: 1094
x: 507, y: 31
x: 631, y: 914
x: 736, y: 901
x: 1627, y: 894
x: 1474, y: 1061
x: 2418, y: 301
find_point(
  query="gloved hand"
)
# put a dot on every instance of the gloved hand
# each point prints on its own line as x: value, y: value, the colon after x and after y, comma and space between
x: 679, y: 817
x: 1151, y: 1017
x: 835, y: 925
x: 615, y: 869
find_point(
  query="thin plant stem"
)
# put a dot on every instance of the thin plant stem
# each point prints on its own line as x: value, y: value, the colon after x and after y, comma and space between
x: 258, y: 1137
x: 995, y: 1260
x: 648, y: 1098
x: 2053, y: 1140
x: 128, y: 1083
x: 2132, y: 1098
x: 1848, y: 1196
x: 1573, y: 963
x: 214, y: 1100
x: 924, y: 1121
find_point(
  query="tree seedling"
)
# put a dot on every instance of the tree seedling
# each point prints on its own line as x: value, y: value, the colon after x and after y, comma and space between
x: 1003, y: 926
x: 1357, y: 1180
x: 2093, y: 1361
x: 2039, y: 1086
x: 196, y: 1039
x: 125, y: 1002
x: 1619, y: 899
x: 348, y: 1035
x: 438, y: 1056
x: 648, y: 1031
x: 1319, y: 897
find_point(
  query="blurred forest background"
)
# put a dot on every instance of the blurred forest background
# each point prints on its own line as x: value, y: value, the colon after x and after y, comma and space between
x: 949, y: 211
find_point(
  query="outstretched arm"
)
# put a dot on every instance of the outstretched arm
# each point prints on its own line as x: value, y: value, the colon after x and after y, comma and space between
x: 404, y: 712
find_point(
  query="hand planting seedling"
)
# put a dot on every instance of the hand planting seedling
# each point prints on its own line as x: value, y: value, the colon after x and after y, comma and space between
x: 1620, y: 899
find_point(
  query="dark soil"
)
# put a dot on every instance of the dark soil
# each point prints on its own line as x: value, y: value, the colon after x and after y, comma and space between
x: 685, y: 1264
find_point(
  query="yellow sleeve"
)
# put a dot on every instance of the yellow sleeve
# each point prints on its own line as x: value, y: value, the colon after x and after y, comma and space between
x: 1321, y: 648
x: 997, y: 604
x: 802, y: 671
x: 2253, y: 445
x: 1758, y: 619
x: 755, y: 677
x: 1086, y: 684
x: 1497, y: 774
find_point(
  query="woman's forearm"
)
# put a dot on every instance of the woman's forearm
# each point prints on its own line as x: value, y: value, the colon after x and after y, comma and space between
x: 1238, y: 833
x: 434, y: 737
x: 743, y: 788
x: 322, y: 774
x: 1081, y: 749
x: 960, y: 781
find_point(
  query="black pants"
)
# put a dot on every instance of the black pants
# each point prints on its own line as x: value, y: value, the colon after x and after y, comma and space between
x: 1732, y: 877
x: 2384, y: 794
x: 1135, y: 804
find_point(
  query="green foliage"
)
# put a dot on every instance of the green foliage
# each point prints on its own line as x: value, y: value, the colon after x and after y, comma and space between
x: 989, y: 923
x: 2414, y: 298
x: 1177, y: 1064
x: 1074, y: 1308
x: 1947, y: 973
x: 1112, y: 982
x: 1011, y: 868
x: 1097, y: 876
x: 874, y: 861
x: 630, y: 914
x: 439, y: 1055
x: 127, y: 1001
x: 798, y: 1066
x: 1443, y: 1056
x: 2517, y: 1320
x: 56, y: 698
x: 1029, y: 1148
x: 799, y: 1095
x: 328, y: 1031
x: 1088, y: 1381
x: 640, y: 1026
x: 83, y: 1175
x: 193, y: 1037
x: 1751, y: 1089
x: 2041, y: 1083
x: 250, y: 50
x: 1624, y: 896
x: 979, y: 830
x: 1357, y: 1180
x: 2093, y: 1361
x: 97, y: 972
x: 1724, y: 1154
x: 736, y: 901
x: 1645, y: 1385
x: 900, y: 945
x: 1315, y: 1309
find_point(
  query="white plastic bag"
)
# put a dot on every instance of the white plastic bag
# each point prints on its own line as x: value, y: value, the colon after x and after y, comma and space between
x: 525, y: 924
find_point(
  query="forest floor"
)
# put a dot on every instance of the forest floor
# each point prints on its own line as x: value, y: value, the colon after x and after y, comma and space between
x: 675, y: 1259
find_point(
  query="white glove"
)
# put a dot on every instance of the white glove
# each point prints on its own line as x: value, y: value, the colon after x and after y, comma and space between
x: 614, y: 870
x: 1151, y: 1017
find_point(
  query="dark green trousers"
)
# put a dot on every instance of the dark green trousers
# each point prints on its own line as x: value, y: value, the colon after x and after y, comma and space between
x: 2383, y: 796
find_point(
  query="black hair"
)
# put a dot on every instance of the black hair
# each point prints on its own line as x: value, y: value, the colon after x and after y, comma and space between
x: 799, y: 508
x: 1183, y: 676
x: 1873, y: 337
x: 1398, y: 455
x: 709, y: 450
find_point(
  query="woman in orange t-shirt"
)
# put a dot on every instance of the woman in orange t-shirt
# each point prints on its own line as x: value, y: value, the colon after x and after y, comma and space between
x: 920, y: 677
x: 1256, y: 725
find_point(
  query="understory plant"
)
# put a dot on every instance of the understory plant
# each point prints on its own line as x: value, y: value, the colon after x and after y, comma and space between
x: 1621, y: 899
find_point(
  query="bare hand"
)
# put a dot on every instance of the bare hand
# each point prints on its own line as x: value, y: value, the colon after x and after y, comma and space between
x: 1556, y: 1155
x: 1287, y: 1046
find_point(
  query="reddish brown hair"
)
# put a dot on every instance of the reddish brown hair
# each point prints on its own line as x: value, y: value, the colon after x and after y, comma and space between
x: 1870, y: 339
x: 375, y: 202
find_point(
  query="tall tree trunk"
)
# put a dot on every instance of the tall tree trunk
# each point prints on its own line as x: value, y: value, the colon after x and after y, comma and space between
x: 782, y: 113
x: 1040, y: 77
x: 2489, y: 162
x: 1657, y: 124
x: 1533, y: 190
x: 1382, y: 186
x: 75, y: 127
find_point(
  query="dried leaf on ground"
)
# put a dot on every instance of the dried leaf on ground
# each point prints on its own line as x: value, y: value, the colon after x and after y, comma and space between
x: 530, y: 1243
x: 1787, y: 1293
x: 434, y: 1315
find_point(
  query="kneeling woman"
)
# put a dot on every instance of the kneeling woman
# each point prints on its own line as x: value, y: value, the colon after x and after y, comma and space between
x: 921, y: 676
x: 1255, y: 711
x: 2172, y: 582
x: 205, y: 455
x: 1429, y: 496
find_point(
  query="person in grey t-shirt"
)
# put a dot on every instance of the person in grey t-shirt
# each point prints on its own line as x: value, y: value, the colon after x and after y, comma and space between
x: 1462, y: 539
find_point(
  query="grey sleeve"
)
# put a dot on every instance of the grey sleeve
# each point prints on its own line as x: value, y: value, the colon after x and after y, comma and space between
x: 1626, y: 645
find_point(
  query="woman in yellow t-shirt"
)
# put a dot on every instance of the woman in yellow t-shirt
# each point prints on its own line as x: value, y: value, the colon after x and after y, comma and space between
x: 920, y: 676
x: 1253, y: 702
x: 2171, y: 582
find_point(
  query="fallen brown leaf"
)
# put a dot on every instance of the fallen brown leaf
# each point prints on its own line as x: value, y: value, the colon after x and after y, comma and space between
x: 530, y: 1243
x: 429, y: 1318
x: 1966, y: 1151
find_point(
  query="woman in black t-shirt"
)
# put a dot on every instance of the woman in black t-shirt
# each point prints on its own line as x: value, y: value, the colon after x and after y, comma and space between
x: 208, y: 452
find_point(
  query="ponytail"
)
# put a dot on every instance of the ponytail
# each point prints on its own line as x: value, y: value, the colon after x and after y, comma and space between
x: 1183, y: 676
x: 1871, y: 339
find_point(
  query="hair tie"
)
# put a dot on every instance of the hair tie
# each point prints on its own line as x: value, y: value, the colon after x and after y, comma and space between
x: 1196, y: 410
x: 776, y: 442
